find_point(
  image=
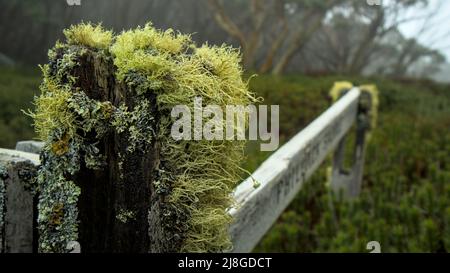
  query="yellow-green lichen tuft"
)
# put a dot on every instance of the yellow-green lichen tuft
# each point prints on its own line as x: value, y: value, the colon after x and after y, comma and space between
x: 371, y: 89
x: 196, y: 178
x: 52, y: 112
x: 200, y: 175
x: 86, y: 34
x: 338, y: 88
x: 149, y: 51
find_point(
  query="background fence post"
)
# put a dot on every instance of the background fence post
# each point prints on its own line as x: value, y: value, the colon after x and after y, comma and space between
x: 18, y: 202
x: 349, y: 180
x: 30, y: 146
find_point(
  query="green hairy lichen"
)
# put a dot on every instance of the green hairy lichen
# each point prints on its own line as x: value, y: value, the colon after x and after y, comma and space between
x: 89, y: 35
x: 195, y: 177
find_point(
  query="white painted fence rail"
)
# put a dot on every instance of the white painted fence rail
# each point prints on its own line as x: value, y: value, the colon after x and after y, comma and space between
x: 282, y: 175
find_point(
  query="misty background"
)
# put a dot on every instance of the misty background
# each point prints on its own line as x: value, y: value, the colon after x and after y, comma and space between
x: 299, y: 49
x: 403, y: 38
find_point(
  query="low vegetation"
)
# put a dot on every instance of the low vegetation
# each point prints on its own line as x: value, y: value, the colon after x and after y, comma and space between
x: 405, y: 200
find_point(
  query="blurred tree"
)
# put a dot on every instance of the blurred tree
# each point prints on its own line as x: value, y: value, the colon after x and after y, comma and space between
x: 276, y: 36
x: 286, y: 25
x: 358, y: 38
x: 416, y: 60
x: 29, y: 28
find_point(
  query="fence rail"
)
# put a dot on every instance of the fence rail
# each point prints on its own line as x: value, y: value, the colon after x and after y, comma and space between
x: 280, y: 177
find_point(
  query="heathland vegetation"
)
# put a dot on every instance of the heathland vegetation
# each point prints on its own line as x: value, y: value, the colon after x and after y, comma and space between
x: 405, y: 198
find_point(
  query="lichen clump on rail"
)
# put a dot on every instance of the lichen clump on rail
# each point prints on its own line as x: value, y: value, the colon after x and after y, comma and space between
x: 196, y: 177
x: 343, y: 86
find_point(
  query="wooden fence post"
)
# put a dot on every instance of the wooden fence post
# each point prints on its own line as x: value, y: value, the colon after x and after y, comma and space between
x: 30, y: 146
x: 18, y: 212
x: 118, y: 205
x: 349, y: 180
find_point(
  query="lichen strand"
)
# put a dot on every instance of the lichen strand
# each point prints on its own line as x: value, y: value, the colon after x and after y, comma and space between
x: 196, y: 176
x: 193, y: 180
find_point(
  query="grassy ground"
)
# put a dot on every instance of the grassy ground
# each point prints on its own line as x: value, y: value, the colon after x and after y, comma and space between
x: 405, y: 202
x: 17, y: 88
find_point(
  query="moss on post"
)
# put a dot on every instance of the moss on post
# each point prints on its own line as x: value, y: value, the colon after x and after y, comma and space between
x: 340, y: 87
x: 112, y: 177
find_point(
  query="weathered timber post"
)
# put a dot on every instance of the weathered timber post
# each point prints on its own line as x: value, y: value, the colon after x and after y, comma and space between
x: 18, y: 212
x: 112, y: 176
x: 30, y: 146
x: 116, y: 199
x: 349, y: 180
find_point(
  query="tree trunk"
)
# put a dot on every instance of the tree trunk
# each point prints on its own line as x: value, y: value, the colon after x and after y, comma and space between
x: 300, y: 40
x: 275, y: 46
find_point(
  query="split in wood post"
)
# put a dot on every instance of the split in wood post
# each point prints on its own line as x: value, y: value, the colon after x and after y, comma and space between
x: 349, y: 181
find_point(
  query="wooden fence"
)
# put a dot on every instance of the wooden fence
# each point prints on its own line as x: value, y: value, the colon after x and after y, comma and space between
x: 280, y: 177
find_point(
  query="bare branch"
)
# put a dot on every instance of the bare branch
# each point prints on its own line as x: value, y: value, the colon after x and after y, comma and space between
x: 225, y: 21
x: 282, y: 30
